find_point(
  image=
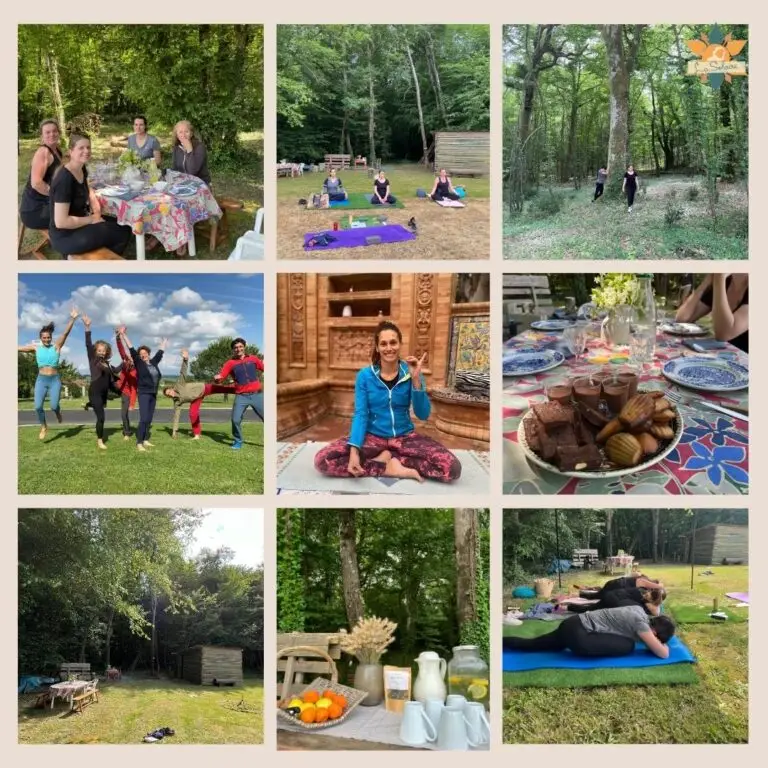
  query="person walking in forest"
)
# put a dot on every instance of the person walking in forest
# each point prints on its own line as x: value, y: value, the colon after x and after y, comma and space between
x: 383, y: 441
x: 602, y: 175
x: 244, y: 369
x: 48, y: 381
x: 629, y: 186
x: 148, y: 377
x: 192, y: 392
x: 128, y: 385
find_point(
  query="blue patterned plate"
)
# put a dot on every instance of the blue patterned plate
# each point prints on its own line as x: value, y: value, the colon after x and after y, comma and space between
x: 551, y: 325
x: 708, y: 374
x: 182, y: 189
x: 525, y: 362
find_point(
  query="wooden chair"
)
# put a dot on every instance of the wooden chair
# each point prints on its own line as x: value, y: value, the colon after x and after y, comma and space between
x: 303, y: 659
x: 100, y: 254
x: 37, y: 250
x: 217, y: 230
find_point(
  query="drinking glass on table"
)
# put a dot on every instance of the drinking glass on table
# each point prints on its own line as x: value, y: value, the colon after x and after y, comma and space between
x: 575, y: 337
x: 661, y: 305
x: 641, y: 349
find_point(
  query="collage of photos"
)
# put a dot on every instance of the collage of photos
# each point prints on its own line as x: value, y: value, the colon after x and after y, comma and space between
x: 374, y: 610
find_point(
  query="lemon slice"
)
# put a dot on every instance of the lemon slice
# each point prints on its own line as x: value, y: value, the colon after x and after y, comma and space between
x: 477, y: 691
x: 323, y: 703
x: 295, y: 703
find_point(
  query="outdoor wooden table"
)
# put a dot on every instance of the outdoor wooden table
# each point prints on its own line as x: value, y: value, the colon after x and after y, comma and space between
x: 712, y: 456
x: 621, y: 561
x: 170, y: 218
x: 292, y: 741
x: 67, y: 690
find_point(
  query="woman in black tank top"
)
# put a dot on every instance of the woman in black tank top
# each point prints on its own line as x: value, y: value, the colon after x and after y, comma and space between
x: 442, y: 188
x: 35, y: 199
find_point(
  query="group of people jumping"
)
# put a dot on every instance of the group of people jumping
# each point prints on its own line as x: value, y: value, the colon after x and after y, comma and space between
x: 629, y: 186
x: 621, y: 613
x: 58, y: 198
x: 137, y: 379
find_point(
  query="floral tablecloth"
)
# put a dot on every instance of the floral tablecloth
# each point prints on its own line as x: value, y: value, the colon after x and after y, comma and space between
x: 67, y: 690
x: 170, y: 219
x: 712, y: 456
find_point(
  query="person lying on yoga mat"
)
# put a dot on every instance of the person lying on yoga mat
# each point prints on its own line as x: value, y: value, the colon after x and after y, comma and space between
x: 649, y: 600
x: 443, y: 189
x: 383, y: 441
x: 334, y: 188
x: 639, y: 581
x: 607, y: 632
x: 381, y: 195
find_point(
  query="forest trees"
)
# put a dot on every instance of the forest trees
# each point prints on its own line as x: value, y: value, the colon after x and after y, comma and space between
x: 379, y: 90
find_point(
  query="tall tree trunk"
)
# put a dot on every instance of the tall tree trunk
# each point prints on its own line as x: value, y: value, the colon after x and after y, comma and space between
x: 371, y: 110
x: 465, y: 538
x: 609, y: 532
x: 344, y: 99
x: 622, y: 58
x: 434, y: 76
x: 58, y: 105
x: 350, y: 571
x: 108, y: 637
x: 729, y: 168
x: 418, y: 102
x: 654, y: 136
x: 153, y: 639
x: 655, y: 514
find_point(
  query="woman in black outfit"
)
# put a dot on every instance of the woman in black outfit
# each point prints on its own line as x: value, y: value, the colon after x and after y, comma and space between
x: 649, y: 600
x: 148, y: 376
x: 443, y: 188
x: 76, y: 223
x: 630, y: 185
x: 102, y: 378
x: 381, y: 195
x: 35, y: 208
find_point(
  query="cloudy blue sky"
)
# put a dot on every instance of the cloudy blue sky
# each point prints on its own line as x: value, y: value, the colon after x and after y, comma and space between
x: 189, y: 310
x: 242, y: 530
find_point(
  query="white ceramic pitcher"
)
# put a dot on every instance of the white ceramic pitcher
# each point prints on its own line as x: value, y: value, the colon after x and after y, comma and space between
x: 430, y: 679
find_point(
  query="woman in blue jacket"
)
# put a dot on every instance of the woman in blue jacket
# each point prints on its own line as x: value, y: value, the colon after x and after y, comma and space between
x: 383, y: 440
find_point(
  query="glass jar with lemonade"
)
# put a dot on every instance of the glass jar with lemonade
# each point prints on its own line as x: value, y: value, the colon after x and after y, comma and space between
x: 468, y: 674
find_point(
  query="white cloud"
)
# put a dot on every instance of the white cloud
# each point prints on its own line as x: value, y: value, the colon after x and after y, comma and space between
x: 184, y: 298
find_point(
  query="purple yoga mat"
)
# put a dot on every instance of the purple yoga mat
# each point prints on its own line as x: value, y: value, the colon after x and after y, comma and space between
x: 743, y: 596
x: 352, y: 238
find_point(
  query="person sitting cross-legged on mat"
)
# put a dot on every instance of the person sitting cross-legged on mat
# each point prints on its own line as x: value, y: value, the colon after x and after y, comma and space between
x: 383, y: 441
x: 649, y: 600
x: 443, y: 189
x: 334, y: 188
x: 607, y: 632
x: 381, y: 187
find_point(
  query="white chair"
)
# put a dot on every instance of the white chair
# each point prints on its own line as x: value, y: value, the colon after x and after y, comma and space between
x: 250, y: 247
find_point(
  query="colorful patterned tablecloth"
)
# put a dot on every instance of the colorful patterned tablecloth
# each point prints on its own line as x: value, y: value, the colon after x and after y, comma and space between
x: 67, y: 690
x: 169, y: 218
x: 712, y: 456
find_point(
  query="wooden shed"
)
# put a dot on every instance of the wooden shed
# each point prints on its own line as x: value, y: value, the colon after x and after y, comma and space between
x: 202, y: 664
x: 463, y: 153
x: 719, y: 542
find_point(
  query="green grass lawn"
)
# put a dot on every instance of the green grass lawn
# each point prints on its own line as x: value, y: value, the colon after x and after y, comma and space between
x: 69, y: 461
x: 443, y: 233
x: 128, y: 710
x: 715, y: 711
x: 245, y: 183
x: 604, y: 230
x: 77, y: 403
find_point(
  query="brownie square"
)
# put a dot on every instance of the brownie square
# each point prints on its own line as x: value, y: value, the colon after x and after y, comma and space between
x: 564, y: 436
x: 553, y: 414
x: 532, y: 428
x: 582, y: 457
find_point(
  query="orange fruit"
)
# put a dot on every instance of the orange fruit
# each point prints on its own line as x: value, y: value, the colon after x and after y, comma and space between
x: 334, y: 711
x: 309, y: 715
x: 341, y: 701
x: 310, y: 697
x: 328, y: 694
x: 321, y: 715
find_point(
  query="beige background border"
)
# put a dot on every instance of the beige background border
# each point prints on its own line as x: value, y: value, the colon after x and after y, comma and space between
x: 401, y: 11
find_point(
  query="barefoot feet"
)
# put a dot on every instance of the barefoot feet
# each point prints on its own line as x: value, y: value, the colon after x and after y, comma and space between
x: 383, y: 458
x: 396, y: 469
x: 101, y: 445
x: 43, y: 433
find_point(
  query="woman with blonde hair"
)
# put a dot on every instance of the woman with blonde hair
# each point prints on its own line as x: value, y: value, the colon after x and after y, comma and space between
x: 189, y: 153
x: 35, y: 208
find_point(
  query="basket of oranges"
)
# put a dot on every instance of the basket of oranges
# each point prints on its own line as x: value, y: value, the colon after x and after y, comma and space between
x: 321, y: 704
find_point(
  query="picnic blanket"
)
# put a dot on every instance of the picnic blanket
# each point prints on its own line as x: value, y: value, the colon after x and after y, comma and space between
x: 522, y: 661
x: 451, y: 203
x: 362, y: 200
x: 354, y: 238
x: 741, y: 596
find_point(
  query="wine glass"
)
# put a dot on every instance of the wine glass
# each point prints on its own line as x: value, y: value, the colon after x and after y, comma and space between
x: 575, y: 337
x: 661, y: 305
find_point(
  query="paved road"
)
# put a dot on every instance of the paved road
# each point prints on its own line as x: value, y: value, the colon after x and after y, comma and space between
x: 162, y: 416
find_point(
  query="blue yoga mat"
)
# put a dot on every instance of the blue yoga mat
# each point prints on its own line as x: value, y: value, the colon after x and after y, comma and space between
x: 338, y: 203
x: 523, y: 661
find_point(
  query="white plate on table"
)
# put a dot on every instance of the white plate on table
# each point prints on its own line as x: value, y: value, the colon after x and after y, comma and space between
x: 114, y: 191
x: 599, y: 474
x: 182, y: 189
x: 526, y: 362
x: 683, y: 329
x: 551, y: 325
x: 707, y: 374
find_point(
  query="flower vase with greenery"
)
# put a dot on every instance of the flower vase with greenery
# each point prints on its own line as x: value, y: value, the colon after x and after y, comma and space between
x: 615, y: 293
x: 131, y: 167
x: 367, y: 641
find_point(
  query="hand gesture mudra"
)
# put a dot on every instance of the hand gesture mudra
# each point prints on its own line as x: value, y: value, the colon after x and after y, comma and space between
x: 415, y: 364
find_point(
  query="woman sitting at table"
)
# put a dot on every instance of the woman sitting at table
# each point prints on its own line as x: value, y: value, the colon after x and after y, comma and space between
x: 607, y: 632
x: 443, y: 189
x: 726, y: 297
x: 76, y: 221
x: 35, y: 209
x: 146, y: 146
x: 189, y: 153
x: 383, y: 440
x: 381, y: 195
x: 334, y: 188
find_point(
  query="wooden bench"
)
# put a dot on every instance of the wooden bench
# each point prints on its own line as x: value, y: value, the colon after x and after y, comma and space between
x: 81, y: 701
x: 100, y: 254
x: 43, y: 700
x: 337, y: 162
x: 582, y: 558
x: 525, y: 296
x: 36, y: 252
x: 80, y: 670
x: 216, y: 230
x: 294, y: 667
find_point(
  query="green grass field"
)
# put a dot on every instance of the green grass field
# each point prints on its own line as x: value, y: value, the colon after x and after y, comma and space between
x: 77, y: 403
x: 246, y: 184
x: 714, y: 711
x: 69, y: 461
x: 128, y: 710
x: 604, y: 230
